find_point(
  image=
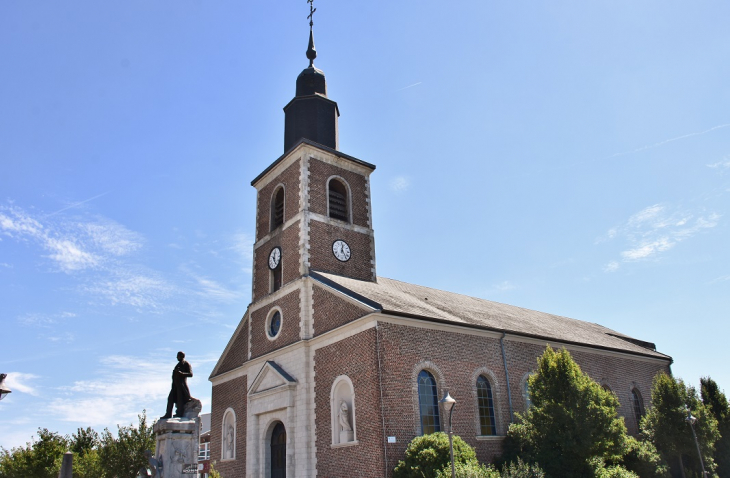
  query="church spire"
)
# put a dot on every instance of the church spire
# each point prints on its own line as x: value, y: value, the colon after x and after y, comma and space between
x: 311, y: 115
x: 311, y: 51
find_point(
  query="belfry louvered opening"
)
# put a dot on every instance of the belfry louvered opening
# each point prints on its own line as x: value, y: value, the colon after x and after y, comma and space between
x: 338, y: 200
x: 277, y: 209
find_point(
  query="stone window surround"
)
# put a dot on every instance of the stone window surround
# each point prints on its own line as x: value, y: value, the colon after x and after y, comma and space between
x: 267, y: 323
x: 440, y: 388
x: 494, y: 384
x: 271, y: 207
x: 349, y: 196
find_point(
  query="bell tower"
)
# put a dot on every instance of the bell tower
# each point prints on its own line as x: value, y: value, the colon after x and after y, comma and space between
x: 313, y: 205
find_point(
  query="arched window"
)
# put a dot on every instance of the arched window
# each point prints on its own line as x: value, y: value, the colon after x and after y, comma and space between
x: 273, y: 323
x: 428, y: 403
x: 338, y: 207
x: 278, y: 452
x: 487, y: 423
x: 526, y: 392
x: 277, y: 208
x: 638, y: 403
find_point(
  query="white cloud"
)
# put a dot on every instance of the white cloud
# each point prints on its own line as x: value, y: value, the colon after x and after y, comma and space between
x: 503, y: 286
x: 654, y: 230
x: 211, y: 289
x: 22, y: 382
x: 71, y: 245
x: 400, y: 184
x: 126, y: 385
x: 723, y: 164
x: 135, y: 289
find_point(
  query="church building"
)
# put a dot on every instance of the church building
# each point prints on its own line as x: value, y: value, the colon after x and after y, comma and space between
x: 333, y: 370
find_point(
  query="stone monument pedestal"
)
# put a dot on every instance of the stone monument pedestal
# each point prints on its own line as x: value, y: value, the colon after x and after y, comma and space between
x: 346, y: 436
x: 177, y: 444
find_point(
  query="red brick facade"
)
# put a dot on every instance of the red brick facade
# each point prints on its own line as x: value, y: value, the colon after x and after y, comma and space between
x: 321, y: 237
x: 290, y: 179
x: 231, y: 394
x: 355, y: 357
x: 320, y: 172
x: 288, y: 240
x: 331, y: 311
x: 290, y: 309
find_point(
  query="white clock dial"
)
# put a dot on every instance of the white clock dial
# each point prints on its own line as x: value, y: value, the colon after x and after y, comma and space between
x: 341, y: 250
x: 274, y: 257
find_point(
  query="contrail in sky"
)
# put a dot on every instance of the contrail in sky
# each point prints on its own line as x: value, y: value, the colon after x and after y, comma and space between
x: 650, y: 146
x: 79, y: 203
x: 410, y: 86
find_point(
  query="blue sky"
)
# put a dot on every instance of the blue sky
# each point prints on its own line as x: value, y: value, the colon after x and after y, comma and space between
x: 562, y: 156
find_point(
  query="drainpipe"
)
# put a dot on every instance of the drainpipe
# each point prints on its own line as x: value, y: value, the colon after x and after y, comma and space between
x: 506, y: 373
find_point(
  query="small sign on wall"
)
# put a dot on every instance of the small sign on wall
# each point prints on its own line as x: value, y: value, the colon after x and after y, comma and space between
x: 391, y: 439
x: 190, y: 469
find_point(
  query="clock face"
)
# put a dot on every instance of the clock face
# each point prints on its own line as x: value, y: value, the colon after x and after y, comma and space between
x: 341, y: 250
x: 274, y: 257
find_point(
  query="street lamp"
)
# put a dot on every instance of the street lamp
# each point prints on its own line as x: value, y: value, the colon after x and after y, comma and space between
x: 692, y: 420
x: 449, y: 403
x: 4, y: 390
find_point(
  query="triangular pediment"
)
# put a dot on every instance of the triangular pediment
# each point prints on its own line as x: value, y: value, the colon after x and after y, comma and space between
x: 270, y: 377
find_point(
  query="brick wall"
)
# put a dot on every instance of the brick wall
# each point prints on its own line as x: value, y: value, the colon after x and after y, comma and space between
x: 456, y: 359
x: 322, y: 236
x: 331, y: 311
x: 229, y: 394
x: 291, y: 181
x: 319, y: 173
x: 290, y: 326
x: 355, y: 357
x: 288, y: 240
x: 238, y: 353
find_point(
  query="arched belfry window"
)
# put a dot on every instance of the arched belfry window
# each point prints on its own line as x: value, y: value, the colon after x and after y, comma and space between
x: 428, y: 403
x: 277, y: 208
x: 638, y: 403
x: 338, y: 200
x: 487, y: 423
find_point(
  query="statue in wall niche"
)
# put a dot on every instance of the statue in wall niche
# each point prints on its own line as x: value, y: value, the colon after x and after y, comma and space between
x: 180, y: 393
x: 346, y: 433
x: 229, y: 441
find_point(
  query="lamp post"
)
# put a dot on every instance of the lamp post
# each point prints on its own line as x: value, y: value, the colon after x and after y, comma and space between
x: 692, y: 420
x: 4, y: 390
x: 449, y: 403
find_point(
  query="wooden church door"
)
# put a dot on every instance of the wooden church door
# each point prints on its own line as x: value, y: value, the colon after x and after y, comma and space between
x: 278, y: 451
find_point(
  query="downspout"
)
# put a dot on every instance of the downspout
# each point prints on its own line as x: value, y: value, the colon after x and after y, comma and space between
x: 506, y: 373
x: 382, y: 404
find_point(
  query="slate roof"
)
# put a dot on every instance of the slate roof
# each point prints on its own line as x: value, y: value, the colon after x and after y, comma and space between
x: 400, y: 298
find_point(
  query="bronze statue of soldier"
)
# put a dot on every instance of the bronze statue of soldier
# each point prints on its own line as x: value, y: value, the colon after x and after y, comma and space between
x: 180, y: 393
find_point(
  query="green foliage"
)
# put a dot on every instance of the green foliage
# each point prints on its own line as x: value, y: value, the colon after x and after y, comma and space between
x: 84, y: 441
x: 643, y: 459
x: 213, y: 473
x: 40, y: 458
x: 571, y: 421
x: 468, y: 470
x: 665, y: 426
x: 520, y: 469
x: 122, y: 457
x: 427, y: 454
x: 717, y: 403
x: 600, y: 470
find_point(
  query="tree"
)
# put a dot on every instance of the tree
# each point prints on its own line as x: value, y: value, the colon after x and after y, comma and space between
x: 40, y: 458
x: 572, y: 421
x: 717, y: 403
x: 427, y: 454
x: 665, y: 426
x: 122, y: 457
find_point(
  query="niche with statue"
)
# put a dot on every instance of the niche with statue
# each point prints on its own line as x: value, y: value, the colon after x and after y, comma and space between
x: 342, y: 405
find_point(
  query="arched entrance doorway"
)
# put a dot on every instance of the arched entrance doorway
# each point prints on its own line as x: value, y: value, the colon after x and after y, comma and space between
x: 278, y: 451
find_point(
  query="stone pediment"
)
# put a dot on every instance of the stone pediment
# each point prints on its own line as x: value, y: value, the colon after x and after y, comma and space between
x: 271, y: 377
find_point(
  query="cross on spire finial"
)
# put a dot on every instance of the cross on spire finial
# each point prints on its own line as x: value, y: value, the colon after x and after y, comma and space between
x: 311, y: 13
x: 311, y: 51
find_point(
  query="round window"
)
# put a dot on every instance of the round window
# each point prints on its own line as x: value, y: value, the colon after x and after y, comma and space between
x: 275, y: 324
